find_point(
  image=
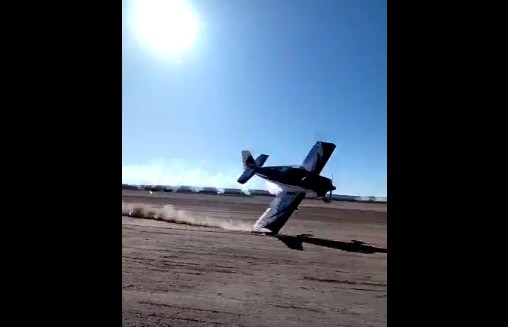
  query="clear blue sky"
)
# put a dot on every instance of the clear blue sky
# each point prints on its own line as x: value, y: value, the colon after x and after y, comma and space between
x: 267, y: 76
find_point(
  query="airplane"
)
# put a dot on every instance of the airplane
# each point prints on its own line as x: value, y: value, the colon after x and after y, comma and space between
x: 295, y: 181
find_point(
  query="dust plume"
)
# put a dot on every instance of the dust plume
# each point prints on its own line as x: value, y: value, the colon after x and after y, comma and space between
x: 170, y: 214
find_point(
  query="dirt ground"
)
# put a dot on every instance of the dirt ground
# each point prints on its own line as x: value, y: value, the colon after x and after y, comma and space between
x: 184, y: 275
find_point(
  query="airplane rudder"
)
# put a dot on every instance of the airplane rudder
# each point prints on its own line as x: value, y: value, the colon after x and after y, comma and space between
x: 247, y: 159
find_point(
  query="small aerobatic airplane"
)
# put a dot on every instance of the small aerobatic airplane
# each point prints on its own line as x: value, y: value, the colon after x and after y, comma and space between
x: 295, y: 182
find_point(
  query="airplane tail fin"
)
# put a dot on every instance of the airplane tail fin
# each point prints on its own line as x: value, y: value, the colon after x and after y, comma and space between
x: 247, y: 159
x: 250, y: 165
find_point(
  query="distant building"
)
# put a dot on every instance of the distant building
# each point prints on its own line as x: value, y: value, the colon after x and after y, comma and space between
x: 343, y: 197
x: 185, y: 189
x: 129, y: 187
x: 156, y: 188
x: 144, y: 187
x: 234, y: 191
x: 365, y: 198
x: 208, y: 190
x: 260, y: 192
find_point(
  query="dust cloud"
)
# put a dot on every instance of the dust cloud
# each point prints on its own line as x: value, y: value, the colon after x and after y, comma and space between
x: 170, y: 214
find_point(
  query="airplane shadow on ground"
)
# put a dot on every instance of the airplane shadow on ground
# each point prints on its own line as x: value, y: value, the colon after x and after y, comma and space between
x: 296, y: 243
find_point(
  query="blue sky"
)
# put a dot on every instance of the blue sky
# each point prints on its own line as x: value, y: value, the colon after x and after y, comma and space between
x: 267, y: 76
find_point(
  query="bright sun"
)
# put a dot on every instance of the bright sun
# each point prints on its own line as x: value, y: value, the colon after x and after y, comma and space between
x: 167, y: 26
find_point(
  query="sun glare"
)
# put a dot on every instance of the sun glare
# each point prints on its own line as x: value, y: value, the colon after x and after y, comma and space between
x: 167, y: 26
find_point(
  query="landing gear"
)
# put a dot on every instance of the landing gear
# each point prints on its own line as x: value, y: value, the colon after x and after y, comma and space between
x: 326, y: 199
x: 329, y: 198
x: 325, y: 192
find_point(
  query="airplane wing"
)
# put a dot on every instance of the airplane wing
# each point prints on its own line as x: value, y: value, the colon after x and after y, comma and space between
x: 279, y: 211
x: 318, y: 157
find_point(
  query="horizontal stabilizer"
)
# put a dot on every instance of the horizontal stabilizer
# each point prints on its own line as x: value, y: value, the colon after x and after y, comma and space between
x: 247, y: 174
x: 261, y: 159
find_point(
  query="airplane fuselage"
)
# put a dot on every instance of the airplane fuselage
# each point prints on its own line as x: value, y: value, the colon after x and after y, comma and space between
x: 296, y: 183
x: 296, y: 179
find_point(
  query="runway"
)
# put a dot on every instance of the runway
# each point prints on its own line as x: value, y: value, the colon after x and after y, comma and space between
x: 185, y: 275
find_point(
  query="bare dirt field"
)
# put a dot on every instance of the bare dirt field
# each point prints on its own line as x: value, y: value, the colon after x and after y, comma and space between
x: 189, y: 275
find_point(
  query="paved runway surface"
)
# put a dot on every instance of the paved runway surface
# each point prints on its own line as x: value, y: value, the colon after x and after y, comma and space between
x: 184, y: 275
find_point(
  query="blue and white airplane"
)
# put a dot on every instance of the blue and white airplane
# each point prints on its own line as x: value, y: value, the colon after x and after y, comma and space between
x: 295, y: 181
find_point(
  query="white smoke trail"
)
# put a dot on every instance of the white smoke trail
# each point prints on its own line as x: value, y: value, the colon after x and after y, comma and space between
x: 179, y: 173
x: 272, y: 188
